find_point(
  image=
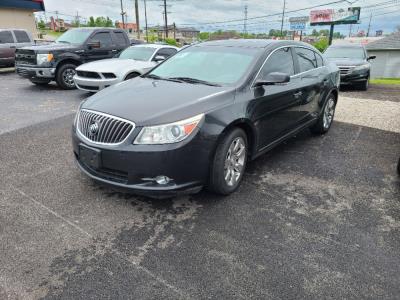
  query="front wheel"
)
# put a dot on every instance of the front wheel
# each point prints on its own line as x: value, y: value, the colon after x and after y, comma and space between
x: 229, y: 163
x: 65, y: 76
x: 325, y: 120
x: 363, y: 86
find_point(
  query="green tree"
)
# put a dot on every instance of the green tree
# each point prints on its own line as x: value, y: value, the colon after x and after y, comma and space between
x: 315, y: 32
x: 109, y: 22
x: 321, y: 44
x: 91, y: 22
x: 204, y: 36
x: 41, y: 25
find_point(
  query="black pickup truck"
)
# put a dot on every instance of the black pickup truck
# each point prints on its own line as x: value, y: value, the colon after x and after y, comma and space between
x: 57, y: 61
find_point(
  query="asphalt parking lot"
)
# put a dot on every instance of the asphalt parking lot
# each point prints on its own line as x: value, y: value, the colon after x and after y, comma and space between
x: 316, y: 218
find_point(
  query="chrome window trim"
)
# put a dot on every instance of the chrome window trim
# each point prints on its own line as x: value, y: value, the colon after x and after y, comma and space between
x: 106, y: 115
x: 292, y: 76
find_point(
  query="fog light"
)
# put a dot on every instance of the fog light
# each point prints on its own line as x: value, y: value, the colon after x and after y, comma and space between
x: 162, y: 179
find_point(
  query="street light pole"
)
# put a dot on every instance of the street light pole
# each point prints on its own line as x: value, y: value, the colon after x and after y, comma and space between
x: 122, y: 15
x: 137, y: 18
x: 145, y: 18
x: 165, y: 18
x: 283, y: 16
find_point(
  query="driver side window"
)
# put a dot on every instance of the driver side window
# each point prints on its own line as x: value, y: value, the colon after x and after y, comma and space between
x: 280, y: 61
x: 103, y: 37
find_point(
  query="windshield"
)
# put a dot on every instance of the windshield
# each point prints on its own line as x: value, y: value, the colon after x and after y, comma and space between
x: 74, y: 36
x: 345, y: 52
x: 138, y: 53
x: 215, y: 64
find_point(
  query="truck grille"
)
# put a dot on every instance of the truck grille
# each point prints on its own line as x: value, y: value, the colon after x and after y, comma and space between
x: 344, y: 70
x: 102, y: 128
x: 25, y: 57
x: 88, y: 74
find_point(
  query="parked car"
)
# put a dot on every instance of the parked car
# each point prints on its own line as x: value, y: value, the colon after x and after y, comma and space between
x: 57, y: 61
x: 196, y: 118
x: 132, y: 62
x: 136, y: 42
x: 353, y: 63
x: 10, y: 39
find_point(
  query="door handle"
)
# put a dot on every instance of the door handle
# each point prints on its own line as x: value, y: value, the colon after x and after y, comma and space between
x: 298, y: 94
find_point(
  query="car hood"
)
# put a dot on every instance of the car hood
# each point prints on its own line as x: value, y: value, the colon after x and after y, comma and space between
x: 347, y: 61
x: 51, y: 47
x: 153, y: 102
x: 115, y: 65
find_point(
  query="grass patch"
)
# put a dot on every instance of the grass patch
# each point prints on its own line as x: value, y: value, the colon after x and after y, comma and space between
x: 385, y: 81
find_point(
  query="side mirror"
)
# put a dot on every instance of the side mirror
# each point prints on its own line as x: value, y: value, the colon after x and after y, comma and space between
x: 371, y: 57
x: 93, y: 44
x: 273, y: 78
x: 159, y: 58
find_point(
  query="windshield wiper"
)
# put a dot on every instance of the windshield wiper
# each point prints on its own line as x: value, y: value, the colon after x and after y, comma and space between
x: 63, y: 42
x: 153, y: 76
x: 194, y: 81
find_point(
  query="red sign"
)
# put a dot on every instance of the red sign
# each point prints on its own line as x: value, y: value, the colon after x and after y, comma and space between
x: 322, y: 16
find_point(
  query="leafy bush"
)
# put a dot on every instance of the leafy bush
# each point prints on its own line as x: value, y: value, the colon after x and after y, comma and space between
x: 171, y: 42
x: 321, y: 44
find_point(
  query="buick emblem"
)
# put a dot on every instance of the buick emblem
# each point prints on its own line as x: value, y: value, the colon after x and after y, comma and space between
x: 94, y: 128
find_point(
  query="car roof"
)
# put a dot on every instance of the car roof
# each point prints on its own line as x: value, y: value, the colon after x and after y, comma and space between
x: 155, y: 46
x: 347, y: 46
x: 253, y: 43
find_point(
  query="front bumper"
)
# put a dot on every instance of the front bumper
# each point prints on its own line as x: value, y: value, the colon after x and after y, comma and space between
x: 355, y: 76
x: 35, y: 72
x: 133, y: 168
x: 93, y: 84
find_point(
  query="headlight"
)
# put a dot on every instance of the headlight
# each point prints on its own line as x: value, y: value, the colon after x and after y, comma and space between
x: 43, y: 58
x: 362, y: 67
x: 77, y: 113
x: 168, y: 133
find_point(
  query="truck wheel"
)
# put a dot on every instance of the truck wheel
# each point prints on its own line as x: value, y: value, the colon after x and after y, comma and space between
x: 65, y: 76
x: 40, y: 82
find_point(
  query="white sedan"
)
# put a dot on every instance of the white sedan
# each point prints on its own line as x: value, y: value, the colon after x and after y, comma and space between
x: 131, y: 62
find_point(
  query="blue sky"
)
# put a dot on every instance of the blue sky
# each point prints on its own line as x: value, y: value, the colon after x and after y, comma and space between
x: 198, y: 13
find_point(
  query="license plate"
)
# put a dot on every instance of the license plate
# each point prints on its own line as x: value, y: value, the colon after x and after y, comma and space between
x: 90, y: 156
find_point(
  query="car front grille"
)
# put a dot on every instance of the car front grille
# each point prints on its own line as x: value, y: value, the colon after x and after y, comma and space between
x: 102, y: 128
x: 344, y: 70
x: 25, y: 57
x: 88, y: 74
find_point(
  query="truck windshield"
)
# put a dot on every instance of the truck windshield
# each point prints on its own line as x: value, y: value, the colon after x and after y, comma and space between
x: 74, y: 36
x: 137, y: 53
x: 345, y: 52
x: 218, y: 65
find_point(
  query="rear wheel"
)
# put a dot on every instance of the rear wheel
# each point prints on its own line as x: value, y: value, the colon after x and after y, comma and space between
x: 65, y: 76
x: 40, y: 82
x: 229, y: 163
x: 325, y: 120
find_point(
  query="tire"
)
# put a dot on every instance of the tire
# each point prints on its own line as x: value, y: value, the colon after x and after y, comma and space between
x: 64, y: 76
x: 225, y: 177
x: 131, y: 75
x: 40, y: 82
x: 363, y: 86
x: 325, y: 120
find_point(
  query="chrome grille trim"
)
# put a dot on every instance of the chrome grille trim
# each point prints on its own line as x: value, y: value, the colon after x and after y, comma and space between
x: 112, y: 130
x: 344, y: 70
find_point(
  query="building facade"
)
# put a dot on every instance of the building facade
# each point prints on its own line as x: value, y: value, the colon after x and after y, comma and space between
x: 20, y: 14
x: 387, y: 61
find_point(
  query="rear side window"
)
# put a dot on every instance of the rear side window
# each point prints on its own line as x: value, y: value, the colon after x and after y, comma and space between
x: 166, y: 52
x: 307, y: 60
x: 22, y: 36
x: 119, y: 38
x: 320, y: 61
x: 6, y: 37
x: 279, y: 61
x: 104, y: 38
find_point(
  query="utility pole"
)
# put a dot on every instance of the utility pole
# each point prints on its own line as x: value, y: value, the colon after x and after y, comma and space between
x: 137, y: 18
x: 245, y: 20
x: 174, y: 31
x: 122, y: 15
x: 57, y: 22
x: 77, y: 19
x: 145, y: 18
x: 283, y: 16
x: 165, y: 18
x: 369, y: 24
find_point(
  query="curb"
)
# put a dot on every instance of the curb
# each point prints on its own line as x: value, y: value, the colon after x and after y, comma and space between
x: 7, y: 70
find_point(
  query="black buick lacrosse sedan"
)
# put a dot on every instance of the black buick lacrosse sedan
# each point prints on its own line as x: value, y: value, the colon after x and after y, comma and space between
x: 197, y: 118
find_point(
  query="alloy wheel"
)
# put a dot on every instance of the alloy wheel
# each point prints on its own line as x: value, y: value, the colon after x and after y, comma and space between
x: 234, y: 161
x: 329, y: 112
x: 68, y: 77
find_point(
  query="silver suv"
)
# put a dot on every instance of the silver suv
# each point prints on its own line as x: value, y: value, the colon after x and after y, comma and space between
x: 10, y: 39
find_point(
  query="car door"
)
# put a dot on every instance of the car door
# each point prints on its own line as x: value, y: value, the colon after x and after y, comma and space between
x: 7, y: 47
x: 275, y: 106
x: 105, y: 49
x: 312, y: 82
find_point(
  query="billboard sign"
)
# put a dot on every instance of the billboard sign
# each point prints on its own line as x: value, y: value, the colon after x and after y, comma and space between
x: 350, y: 15
x: 298, y: 23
